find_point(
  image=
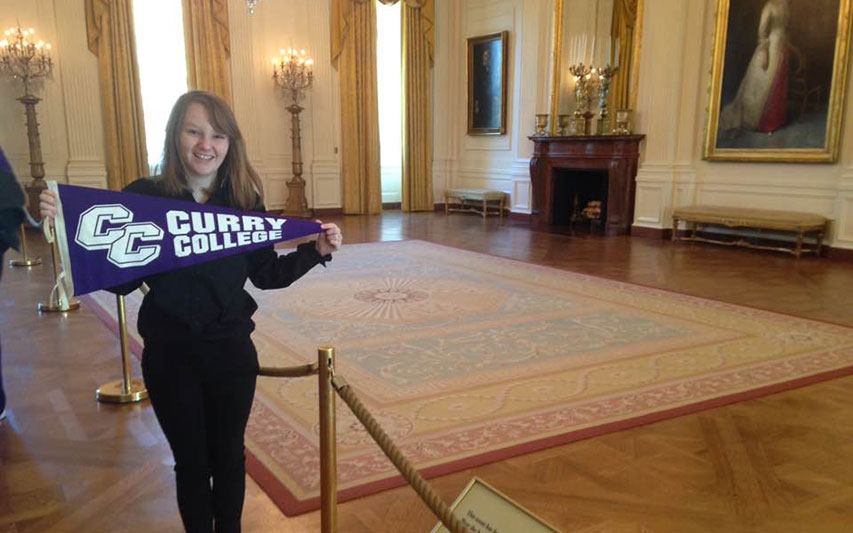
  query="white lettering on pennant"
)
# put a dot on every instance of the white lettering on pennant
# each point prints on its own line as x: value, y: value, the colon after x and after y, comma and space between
x: 200, y: 244
x: 227, y: 242
x: 185, y: 223
x: 228, y: 223
x: 177, y: 222
x: 252, y: 223
x: 111, y: 228
x: 183, y: 248
x: 203, y: 222
x: 214, y: 243
x: 276, y: 223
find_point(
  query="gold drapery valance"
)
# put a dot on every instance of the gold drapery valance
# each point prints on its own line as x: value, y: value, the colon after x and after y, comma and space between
x: 109, y: 31
x: 342, y: 15
x: 206, y: 38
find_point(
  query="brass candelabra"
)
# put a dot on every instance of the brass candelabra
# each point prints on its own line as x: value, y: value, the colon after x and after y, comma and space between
x: 25, y: 59
x: 588, y: 80
x: 584, y: 87
x: 605, y: 74
x: 292, y: 72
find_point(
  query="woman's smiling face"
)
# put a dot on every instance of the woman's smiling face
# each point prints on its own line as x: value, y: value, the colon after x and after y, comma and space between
x: 202, y: 148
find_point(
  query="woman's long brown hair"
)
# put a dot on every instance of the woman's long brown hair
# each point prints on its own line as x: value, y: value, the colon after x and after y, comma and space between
x: 245, y: 186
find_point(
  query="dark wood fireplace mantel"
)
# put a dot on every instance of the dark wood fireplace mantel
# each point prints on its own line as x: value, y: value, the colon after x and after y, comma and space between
x: 616, y: 155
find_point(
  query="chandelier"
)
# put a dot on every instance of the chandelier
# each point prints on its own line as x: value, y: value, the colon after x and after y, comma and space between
x: 24, y: 59
x: 250, y: 5
x: 293, y: 71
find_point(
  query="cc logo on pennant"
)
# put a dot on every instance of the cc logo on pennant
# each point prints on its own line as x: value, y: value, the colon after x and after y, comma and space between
x: 123, y: 242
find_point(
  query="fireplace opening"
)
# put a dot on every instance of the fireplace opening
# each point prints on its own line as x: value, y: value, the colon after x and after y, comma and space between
x: 580, y: 197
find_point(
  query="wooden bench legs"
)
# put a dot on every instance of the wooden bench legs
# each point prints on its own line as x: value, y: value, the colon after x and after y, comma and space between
x: 482, y: 206
x: 797, y: 250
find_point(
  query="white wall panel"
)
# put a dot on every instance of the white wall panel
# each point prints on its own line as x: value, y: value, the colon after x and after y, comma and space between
x: 81, y: 98
x: 843, y: 225
x: 499, y: 162
x: 261, y: 106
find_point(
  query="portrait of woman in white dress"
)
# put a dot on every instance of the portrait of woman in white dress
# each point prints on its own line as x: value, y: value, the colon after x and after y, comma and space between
x: 761, y: 100
x: 775, y: 84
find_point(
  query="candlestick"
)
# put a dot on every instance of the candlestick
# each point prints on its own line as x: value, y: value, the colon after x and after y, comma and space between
x: 293, y: 72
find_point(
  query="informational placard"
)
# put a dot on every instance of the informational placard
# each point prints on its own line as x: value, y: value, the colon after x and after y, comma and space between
x: 484, y: 509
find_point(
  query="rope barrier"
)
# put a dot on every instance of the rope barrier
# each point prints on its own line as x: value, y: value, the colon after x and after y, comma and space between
x: 325, y: 368
x: 289, y: 371
x: 436, y: 505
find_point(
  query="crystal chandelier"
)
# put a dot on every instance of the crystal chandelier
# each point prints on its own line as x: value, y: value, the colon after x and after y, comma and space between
x: 24, y: 59
x: 250, y: 4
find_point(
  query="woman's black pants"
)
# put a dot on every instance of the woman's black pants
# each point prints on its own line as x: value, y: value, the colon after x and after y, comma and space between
x: 202, y: 394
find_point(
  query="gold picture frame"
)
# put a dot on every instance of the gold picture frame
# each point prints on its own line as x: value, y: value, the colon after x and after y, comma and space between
x: 778, y: 81
x: 487, y: 79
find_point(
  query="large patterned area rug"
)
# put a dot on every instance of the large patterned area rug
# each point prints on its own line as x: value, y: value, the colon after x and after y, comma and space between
x: 466, y: 358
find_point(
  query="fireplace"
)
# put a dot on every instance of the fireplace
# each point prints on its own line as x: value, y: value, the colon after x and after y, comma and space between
x: 580, y: 196
x: 565, y: 168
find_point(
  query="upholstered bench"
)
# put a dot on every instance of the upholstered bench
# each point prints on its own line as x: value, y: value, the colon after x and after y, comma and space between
x: 482, y: 201
x: 801, y: 224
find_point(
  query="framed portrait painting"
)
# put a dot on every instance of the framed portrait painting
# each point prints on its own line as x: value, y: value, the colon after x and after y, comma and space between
x: 487, y: 60
x: 778, y: 80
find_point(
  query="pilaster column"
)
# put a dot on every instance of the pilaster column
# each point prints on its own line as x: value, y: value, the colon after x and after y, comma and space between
x: 324, y: 182
x: 81, y: 98
x: 669, y: 76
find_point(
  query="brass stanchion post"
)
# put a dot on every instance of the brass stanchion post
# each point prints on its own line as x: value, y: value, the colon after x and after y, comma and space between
x: 59, y: 301
x: 328, y: 460
x: 126, y: 390
x: 25, y: 261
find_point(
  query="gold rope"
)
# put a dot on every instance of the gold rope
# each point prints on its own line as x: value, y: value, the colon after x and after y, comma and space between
x: 436, y: 505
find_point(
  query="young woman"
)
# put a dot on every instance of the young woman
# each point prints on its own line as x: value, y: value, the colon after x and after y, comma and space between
x: 198, y: 360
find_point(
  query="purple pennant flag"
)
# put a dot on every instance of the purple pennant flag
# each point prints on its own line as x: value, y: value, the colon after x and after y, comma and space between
x: 107, y: 238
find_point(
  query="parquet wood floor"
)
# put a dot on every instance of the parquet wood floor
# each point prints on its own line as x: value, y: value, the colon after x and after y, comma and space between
x: 781, y: 463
